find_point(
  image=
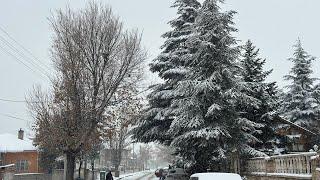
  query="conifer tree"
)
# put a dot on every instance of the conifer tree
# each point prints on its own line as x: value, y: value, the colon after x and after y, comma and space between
x: 300, y: 105
x: 170, y: 67
x: 254, y: 77
x: 207, y: 126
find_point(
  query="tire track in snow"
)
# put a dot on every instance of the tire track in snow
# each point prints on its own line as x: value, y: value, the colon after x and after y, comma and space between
x: 144, y: 176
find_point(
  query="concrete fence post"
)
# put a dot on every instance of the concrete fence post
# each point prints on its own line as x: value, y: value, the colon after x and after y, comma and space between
x: 314, y: 168
x: 270, y: 165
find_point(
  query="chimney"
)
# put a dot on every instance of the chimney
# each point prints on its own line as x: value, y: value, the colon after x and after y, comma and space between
x: 20, y: 134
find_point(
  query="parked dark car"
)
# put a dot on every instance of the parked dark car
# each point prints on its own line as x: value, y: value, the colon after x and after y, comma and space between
x: 177, y: 174
x: 161, y: 173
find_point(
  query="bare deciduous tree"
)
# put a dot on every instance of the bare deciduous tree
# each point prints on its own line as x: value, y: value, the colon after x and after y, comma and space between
x: 93, y: 56
x: 120, y: 119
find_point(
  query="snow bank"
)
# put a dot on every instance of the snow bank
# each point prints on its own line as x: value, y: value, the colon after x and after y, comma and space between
x: 11, y: 143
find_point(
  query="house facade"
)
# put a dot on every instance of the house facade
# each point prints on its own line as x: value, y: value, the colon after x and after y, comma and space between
x: 18, y: 155
x: 294, y: 138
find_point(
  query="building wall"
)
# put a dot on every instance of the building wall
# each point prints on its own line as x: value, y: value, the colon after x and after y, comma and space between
x: 303, y: 142
x: 30, y: 156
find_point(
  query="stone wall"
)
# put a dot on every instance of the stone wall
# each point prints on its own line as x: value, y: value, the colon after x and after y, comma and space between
x: 274, y: 176
x: 316, y: 174
x: 285, y: 167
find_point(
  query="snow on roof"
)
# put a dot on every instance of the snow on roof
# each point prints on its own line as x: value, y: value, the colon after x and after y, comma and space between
x: 11, y: 143
x: 295, y: 136
x: 296, y: 125
x: 6, y: 166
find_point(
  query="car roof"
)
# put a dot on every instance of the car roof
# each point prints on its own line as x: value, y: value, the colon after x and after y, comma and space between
x: 224, y: 176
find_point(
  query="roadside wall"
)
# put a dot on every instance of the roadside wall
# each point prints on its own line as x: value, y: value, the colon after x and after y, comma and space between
x: 8, y: 176
x: 57, y: 174
x: 32, y: 177
x: 276, y: 177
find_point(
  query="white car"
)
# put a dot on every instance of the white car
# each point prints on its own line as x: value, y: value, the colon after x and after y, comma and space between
x: 215, y: 176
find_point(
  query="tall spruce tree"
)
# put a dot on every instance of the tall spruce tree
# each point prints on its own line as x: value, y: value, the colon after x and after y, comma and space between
x: 207, y: 126
x: 170, y: 66
x: 300, y: 105
x: 254, y: 77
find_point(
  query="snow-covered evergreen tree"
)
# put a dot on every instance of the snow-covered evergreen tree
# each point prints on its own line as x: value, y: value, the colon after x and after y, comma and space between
x: 300, y: 105
x: 170, y: 67
x: 207, y: 126
x: 254, y: 76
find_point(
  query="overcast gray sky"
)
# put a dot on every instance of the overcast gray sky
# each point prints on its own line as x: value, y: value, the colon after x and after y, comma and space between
x: 272, y: 25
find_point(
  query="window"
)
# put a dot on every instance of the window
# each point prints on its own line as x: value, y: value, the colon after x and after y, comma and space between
x: 22, y: 165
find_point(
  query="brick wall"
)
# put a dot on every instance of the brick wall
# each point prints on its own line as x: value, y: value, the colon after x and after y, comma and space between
x: 30, y: 156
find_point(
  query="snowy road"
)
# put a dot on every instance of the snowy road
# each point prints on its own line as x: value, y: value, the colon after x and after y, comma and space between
x: 147, y: 175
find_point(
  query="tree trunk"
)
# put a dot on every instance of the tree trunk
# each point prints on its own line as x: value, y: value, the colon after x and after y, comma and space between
x: 92, y: 169
x: 117, y: 162
x: 85, y: 173
x: 69, y: 166
x: 79, y: 170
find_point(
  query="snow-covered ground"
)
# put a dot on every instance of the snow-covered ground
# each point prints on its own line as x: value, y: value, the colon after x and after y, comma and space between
x: 143, y: 175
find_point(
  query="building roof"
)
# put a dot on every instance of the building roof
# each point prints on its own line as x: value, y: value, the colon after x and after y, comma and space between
x: 285, y: 121
x: 11, y: 143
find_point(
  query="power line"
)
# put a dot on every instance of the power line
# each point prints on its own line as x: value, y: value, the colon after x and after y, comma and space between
x: 23, y: 56
x: 20, y: 61
x: 17, y: 101
x: 24, y: 48
x: 14, y: 117
x: 8, y: 100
